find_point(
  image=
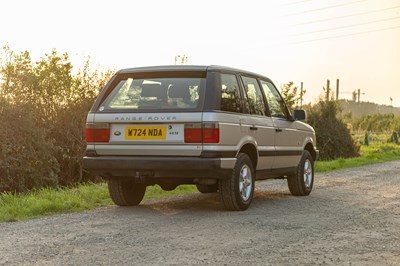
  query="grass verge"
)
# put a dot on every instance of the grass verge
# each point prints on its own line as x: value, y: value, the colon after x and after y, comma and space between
x: 375, y: 153
x: 47, y: 201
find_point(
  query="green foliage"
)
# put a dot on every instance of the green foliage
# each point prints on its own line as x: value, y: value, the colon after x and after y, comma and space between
x: 26, y: 153
x: 376, y: 123
x: 68, y: 129
x: 333, y: 137
x: 155, y: 192
x: 375, y: 153
x: 292, y: 95
x: 43, y: 109
x: 47, y: 201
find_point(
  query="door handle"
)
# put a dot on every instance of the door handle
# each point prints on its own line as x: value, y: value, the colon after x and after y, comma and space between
x: 278, y: 130
x: 253, y: 128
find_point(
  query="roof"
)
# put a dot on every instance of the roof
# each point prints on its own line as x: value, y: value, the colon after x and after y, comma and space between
x: 186, y: 68
x: 164, y: 68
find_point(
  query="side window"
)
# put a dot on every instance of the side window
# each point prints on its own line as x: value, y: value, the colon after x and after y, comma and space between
x: 254, y: 96
x: 230, y: 96
x: 275, y: 102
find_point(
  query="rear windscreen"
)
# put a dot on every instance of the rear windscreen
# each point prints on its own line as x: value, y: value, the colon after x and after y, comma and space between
x: 155, y: 93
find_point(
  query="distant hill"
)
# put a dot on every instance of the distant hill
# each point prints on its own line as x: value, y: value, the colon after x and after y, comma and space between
x: 367, y: 108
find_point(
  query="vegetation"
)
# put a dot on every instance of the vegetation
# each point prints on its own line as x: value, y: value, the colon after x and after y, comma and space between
x: 43, y: 108
x: 377, y: 123
x: 359, y: 109
x: 375, y: 153
x: 49, y: 201
x: 292, y: 95
x: 333, y: 137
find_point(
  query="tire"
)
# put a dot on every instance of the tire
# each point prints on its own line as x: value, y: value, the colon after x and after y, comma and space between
x: 237, y: 190
x: 301, y: 183
x: 207, y: 188
x: 126, y: 193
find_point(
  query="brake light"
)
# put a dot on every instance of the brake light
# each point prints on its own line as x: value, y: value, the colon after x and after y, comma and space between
x: 211, y: 135
x: 193, y: 135
x: 97, y: 132
x: 201, y: 133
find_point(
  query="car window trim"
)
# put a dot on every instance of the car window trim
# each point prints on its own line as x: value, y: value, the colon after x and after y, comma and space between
x: 242, y: 106
x: 247, y: 100
x: 286, y: 109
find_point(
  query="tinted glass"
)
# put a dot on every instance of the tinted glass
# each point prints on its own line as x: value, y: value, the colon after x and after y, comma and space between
x: 230, y: 96
x: 254, y: 96
x: 275, y: 103
x: 155, y: 93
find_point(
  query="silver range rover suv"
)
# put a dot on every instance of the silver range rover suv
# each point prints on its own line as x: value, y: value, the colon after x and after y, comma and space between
x: 216, y: 127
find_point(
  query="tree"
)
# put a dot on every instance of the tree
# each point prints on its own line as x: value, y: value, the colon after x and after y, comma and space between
x: 43, y: 109
x: 17, y: 77
x: 376, y: 123
x: 333, y: 137
x: 292, y: 95
x: 69, y: 130
x: 54, y: 83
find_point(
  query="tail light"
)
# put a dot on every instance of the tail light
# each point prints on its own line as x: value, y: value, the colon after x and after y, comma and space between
x: 202, y: 133
x: 193, y: 133
x: 210, y: 133
x: 97, y: 132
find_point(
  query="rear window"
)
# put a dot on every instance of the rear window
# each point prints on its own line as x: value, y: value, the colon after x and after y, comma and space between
x: 155, y: 93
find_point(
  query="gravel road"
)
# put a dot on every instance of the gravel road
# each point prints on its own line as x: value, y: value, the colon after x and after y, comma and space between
x: 352, y: 217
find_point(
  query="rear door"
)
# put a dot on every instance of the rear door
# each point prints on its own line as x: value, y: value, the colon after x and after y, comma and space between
x: 230, y: 118
x: 259, y: 123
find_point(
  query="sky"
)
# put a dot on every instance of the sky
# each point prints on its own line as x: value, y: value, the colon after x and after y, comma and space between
x: 309, y: 41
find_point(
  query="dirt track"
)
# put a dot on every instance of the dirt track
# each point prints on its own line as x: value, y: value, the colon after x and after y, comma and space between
x: 351, y: 218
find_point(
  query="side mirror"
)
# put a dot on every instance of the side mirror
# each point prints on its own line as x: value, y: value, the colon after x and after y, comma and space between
x: 299, y: 115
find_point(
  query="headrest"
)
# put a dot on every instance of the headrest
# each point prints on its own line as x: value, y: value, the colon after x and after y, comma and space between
x: 152, y: 90
x: 179, y: 91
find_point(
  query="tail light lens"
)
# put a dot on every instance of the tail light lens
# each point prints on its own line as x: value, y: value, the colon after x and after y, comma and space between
x: 193, y: 133
x: 97, y: 132
x: 202, y: 133
x: 210, y: 133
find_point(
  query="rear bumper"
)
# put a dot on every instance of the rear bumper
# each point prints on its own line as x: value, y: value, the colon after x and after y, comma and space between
x: 159, y: 167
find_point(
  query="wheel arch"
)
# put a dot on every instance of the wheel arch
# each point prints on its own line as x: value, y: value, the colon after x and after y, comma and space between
x: 310, y: 148
x: 251, y: 151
